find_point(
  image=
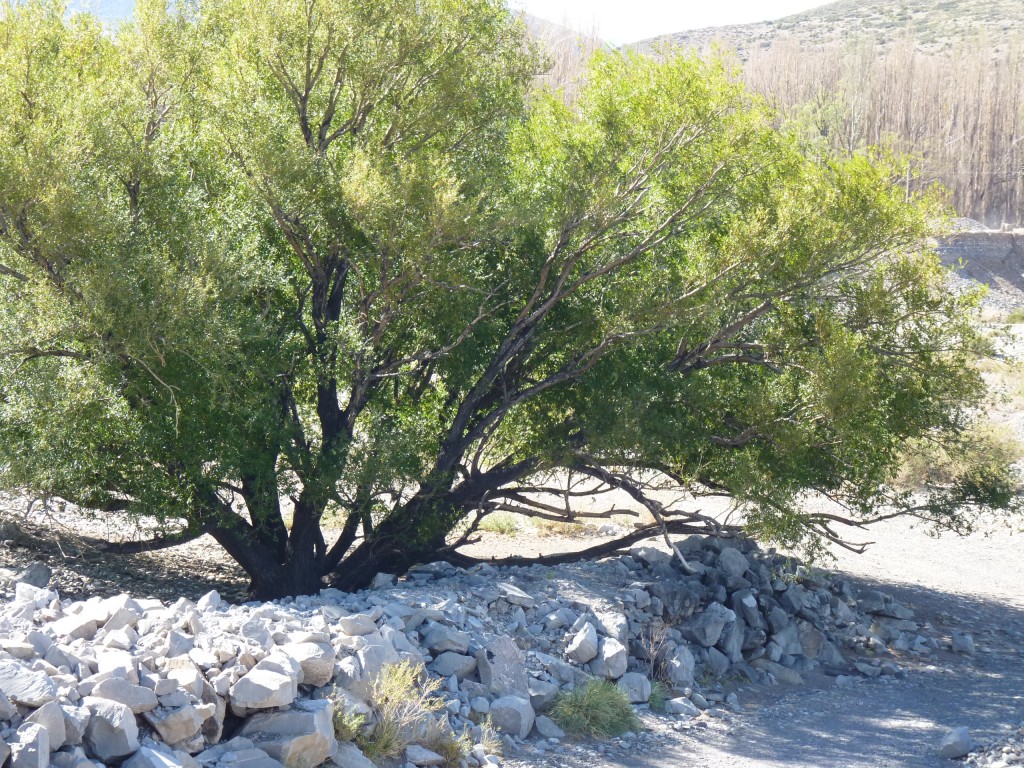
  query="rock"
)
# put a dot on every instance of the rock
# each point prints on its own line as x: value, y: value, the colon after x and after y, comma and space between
x: 956, y: 743
x: 612, y: 659
x: 583, y: 646
x: 780, y: 673
x: 147, y: 757
x: 440, y: 639
x: 74, y: 627
x: 512, y: 715
x: 112, y: 733
x: 679, y: 598
x: 614, y: 625
x: 680, y: 667
x: 37, y: 574
x: 681, y: 706
x: 542, y: 694
x: 547, y: 728
x: 302, y: 737
x: 135, y: 697
x: 7, y: 709
x: 76, y: 720
x: 418, y: 755
x: 51, y: 717
x: 357, y: 624
x: 502, y: 669
x: 706, y: 627
x: 733, y: 563
x: 349, y: 755
x: 315, y: 659
x: 175, y: 725
x: 25, y: 686
x: 963, y: 643
x: 30, y: 747
x: 262, y: 689
x: 5, y: 752
x: 636, y: 686
x: 515, y: 595
x: 450, y: 663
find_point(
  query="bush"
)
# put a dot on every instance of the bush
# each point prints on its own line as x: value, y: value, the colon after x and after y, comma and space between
x: 599, y: 708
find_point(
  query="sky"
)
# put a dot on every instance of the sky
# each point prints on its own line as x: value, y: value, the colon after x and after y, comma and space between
x: 626, y: 21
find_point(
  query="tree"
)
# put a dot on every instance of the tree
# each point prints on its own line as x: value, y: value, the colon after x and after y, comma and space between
x: 264, y: 264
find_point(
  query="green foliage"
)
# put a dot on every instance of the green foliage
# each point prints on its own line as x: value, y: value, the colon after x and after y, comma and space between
x: 406, y: 710
x: 598, y: 708
x: 298, y: 258
x: 502, y: 523
x: 660, y: 694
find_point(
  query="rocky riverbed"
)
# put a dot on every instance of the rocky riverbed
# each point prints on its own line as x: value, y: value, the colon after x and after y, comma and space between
x: 146, y: 682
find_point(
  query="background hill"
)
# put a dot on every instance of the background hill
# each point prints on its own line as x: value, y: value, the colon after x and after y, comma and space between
x: 933, y: 24
x: 941, y: 81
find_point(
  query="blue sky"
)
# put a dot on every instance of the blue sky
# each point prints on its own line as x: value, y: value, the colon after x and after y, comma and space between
x: 625, y: 21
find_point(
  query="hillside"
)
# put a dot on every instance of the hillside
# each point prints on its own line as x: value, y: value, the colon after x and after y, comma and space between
x: 934, y: 24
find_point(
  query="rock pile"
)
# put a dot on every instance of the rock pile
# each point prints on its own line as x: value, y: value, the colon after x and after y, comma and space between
x: 1003, y: 754
x: 137, y: 682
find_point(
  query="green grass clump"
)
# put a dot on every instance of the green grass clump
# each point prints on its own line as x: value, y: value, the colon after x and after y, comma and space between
x: 503, y: 523
x: 660, y: 693
x: 1015, y: 316
x: 598, y: 708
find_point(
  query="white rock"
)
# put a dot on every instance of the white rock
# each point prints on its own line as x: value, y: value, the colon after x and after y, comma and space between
x: 175, y: 725
x: 30, y: 747
x: 315, y: 659
x: 147, y: 757
x: 956, y: 743
x: 262, y: 689
x: 302, y: 737
x: 112, y: 733
x: 512, y: 715
x: 135, y: 697
x: 25, y: 686
x: 357, y: 624
x: 612, y: 659
x: 418, y: 755
x: 51, y: 717
x: 636, y: 686
x: 350, y: 756
x: 681, y: 706
x: 74, y: 627
x: 583, y: 646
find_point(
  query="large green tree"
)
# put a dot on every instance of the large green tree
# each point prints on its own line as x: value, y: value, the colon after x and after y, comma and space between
x: 269, y: 262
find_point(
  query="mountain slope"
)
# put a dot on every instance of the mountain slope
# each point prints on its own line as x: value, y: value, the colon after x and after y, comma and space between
x: 934, y: 24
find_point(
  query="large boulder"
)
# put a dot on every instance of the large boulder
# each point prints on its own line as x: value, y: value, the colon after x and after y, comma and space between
x: 502, y: 669
x: 706, y: 627
x: 30, y: 747
x: 51, y: 717
x: 612, y: 659
x: 315, y: 659
x: 25, y: 686
x: 583, y: 646
x: 302, y: 737
x: 512, y: 715
x: 112, y: 733
x: 135, y: 697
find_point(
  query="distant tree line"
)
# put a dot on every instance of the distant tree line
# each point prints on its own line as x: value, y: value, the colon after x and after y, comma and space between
x: 957, y: 115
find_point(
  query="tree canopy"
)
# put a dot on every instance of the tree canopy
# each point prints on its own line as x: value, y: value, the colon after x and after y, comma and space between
x: 269, y: 264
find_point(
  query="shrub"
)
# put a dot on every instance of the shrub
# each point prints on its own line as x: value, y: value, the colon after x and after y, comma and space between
x: 598, y: 708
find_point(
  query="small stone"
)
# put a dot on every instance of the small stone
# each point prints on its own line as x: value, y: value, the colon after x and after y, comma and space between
x: 956, y: 743
x: 681, y: 706
x: 148, y: 757
x: 262, y: 689
x: 612, y: 659
x: 357, y: 624
x: 542, y: 694
x: 963, y: 642
x: 301, y: 737
x: 706, y: 627
x: 175, y: 725
x: 450, y: 663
